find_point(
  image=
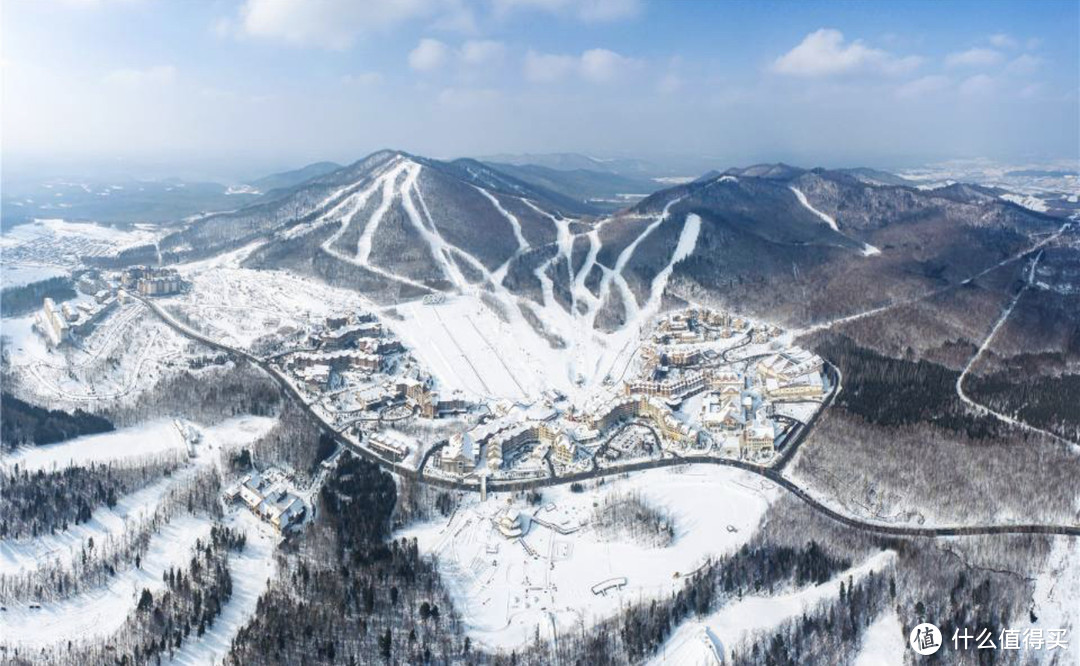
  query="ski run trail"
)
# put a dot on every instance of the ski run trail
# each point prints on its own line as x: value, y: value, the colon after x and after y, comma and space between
x: 593, y: 354
x: 100, y: 611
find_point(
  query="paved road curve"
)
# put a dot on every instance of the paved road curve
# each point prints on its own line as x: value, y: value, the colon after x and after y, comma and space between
x: 771, y: 474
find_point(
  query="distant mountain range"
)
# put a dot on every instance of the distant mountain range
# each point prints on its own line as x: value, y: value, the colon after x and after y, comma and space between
x: 773, y: 240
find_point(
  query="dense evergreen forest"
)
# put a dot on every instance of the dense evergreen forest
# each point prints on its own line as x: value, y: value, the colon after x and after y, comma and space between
x: 23, y: 423
x: 24, y: 299
x: 896, y: 392
x: 1052, y: 403
x: 43, y: 502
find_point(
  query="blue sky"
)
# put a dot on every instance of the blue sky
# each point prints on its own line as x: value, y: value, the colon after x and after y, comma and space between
x: 248, y: 85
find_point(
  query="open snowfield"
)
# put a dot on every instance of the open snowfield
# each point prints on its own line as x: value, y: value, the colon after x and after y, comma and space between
x: 146, y: 439
x: 697, y: 641
x: 15, y: 275
x: 127, y: 352
x: 251, y: 569
x: 102, y: 611
x: 505, y: 592
x: 20, y: 555
x: 236, y: 306
x: 884, y: 642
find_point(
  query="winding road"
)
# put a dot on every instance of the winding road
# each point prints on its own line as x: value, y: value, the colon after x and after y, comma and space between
x: 773, y: 475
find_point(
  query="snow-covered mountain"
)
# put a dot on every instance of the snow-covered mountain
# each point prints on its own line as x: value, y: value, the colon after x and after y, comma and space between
x: 772, y: 240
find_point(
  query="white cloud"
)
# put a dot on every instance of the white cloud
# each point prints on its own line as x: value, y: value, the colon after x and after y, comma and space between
x: 1002, y: 41
x: 548, y: 67
x: 976, y: 57
x: 468, y: 98
x: 429, y: 54
x: 594, y: 65
x: 482, y: 52
x: 825, y: 53
x: 980, y: 84
x: 604, y: 66
x: 669, y: 83
x: 923, y: 86
x: 363, y: 79
x: 1025, y: 63
x: 161, y: 74
x: 589, y: 11
x: 336, y: 24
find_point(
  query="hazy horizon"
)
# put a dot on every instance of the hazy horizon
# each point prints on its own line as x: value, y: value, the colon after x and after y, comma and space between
x: 241, y: 88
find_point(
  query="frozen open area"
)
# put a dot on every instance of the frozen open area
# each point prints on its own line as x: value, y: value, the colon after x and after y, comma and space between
x: 506, y: 588
x: 237, y: 306
x: 250, y: 569
x: 147, y: 439
x: 127, y: 352
x: 699, y: 640
x: 102, y: 611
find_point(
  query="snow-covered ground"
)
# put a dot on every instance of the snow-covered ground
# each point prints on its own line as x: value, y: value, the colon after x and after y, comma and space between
x: 147, y: 439
x: 236, y: 306
x: 505, y: 592
x: 102, y: 611
x: 21, y: 555
x: 14, y: 275
x: 739, y: 620
x: 251, y: 569
x: 24, y: 555
x: 883, y: 642
x: 1027, y: 201
x: 127, y: 352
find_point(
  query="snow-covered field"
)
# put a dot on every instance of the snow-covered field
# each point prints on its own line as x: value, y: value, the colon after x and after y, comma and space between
x: 20, y: 555
x: 251, y: 569
x: 154, y: 437
x: 236, y: 306
x: 737, y: 621
x: 883, y: 643
x: 505, y: 592
x: 127, y: 352
x: 103, y: 610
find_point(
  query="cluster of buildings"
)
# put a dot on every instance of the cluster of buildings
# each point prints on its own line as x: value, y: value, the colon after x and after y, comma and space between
x: 352, y: 343
x: 685, y: 392
x: 268, y: 495
x: 527, y: 433
x: 60, y: 324
x: 151, y: 281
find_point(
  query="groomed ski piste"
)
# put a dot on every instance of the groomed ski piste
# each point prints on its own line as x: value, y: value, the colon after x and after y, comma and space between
x: 101, y: 610
x: 710, y: 639
x: 477, y: 325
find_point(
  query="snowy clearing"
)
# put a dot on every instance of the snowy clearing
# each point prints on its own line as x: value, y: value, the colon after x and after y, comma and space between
x: 739, y: 620
x: 103, y: 611
x: 148, y: 439
x: 251, y: 569
x: 505, y: 592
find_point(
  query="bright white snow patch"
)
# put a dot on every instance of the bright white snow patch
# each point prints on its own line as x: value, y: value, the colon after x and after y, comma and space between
x: 147, y: 439
x: 505, y: 593
x: 251, y: 569
x: 883, y: 643
x: 738, y: 620
x: 102, y: 611
x: 1027, y: 201
x: 827, y: 219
